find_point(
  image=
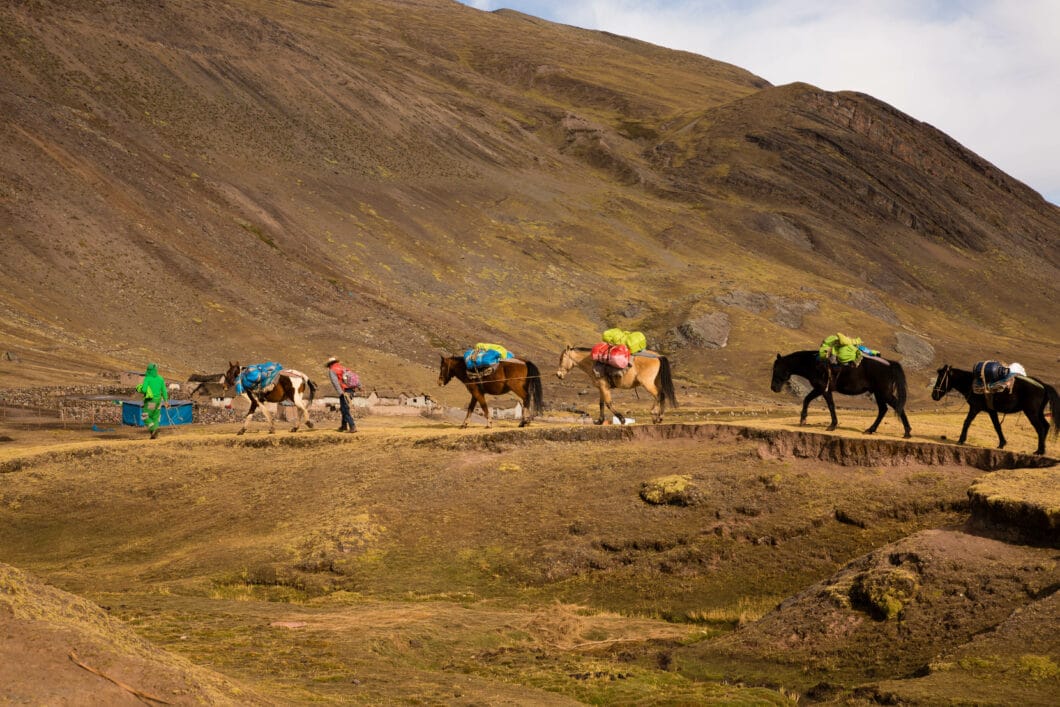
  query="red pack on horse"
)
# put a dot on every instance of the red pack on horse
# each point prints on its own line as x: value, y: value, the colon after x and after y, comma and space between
x: 647, y: 369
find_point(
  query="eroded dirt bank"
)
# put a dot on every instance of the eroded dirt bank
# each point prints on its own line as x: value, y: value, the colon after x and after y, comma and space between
x: 774, y: 443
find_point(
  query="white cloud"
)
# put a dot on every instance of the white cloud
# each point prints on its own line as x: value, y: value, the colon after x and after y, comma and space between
x: 986, y: 72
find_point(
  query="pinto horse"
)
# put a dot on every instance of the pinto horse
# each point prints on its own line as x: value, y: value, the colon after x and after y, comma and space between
x: 511, y: 375
x: 886, y: 382
x: 289, y: 385
x: 648, y: 369
x: 1029, y: 396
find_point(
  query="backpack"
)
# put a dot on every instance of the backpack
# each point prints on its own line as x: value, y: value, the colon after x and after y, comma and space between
x: 349, y: 379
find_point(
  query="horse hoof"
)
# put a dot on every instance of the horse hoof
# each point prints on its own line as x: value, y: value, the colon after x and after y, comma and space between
x: 294, y: 429
x: 907, y: 435
x: 870, y: 431
x: 830, y: 428
x: 272, y: 432
x: 309, y: 425
x: 240, y: 432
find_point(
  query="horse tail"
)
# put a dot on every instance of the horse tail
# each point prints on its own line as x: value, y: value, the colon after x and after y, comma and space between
x: 665, y: 383
x: 312, y: 388
x: 535, y: 393
x: 1054, y: 407
x: 898, y: 384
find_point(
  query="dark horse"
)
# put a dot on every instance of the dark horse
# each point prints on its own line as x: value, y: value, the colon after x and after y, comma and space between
x: 886, y: 382
x: 1028, y: 395
x: 511, y: 375
x: 289, y: 385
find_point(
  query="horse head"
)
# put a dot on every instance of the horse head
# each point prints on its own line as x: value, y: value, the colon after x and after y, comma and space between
x: 231, y: 374
x: 781, y: 374
x: 566, y: 362
x: 943, y: 384
x: 445, y: 371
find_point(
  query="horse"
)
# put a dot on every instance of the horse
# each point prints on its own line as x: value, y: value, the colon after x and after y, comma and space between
x: 886, y: 382
x: 648, y: 369
x: 1029, y: 395
x: 289, y: 385
x: 512, y: 375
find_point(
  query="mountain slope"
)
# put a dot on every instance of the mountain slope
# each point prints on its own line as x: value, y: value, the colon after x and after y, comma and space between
x: 200, y: 182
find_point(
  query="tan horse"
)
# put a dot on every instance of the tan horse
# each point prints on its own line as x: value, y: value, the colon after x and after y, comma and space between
x: 649, y: 369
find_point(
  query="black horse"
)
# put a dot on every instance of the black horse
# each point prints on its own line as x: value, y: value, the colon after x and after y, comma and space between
x: 1029, y: 396
x: 886, y: 382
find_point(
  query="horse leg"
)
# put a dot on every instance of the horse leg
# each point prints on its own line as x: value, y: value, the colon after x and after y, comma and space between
x: 302, y: 405
x: 905, y: 423
x: 605, y: 402
x: 881, y: 407
x: 525, y: 397
x: 831, y: 410
x: 268, y: 418
x: 1041, y: 425
x: 470, y: 409
x: 657, y: 401
x: 250, y: 414
x: 297, y: 415
x: 997, y: 428
x: 611, y: 408
x: 810, y: 397
x: 972, y: 412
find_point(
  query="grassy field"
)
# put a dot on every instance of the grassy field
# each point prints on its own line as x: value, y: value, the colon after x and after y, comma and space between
x: 416, y: 562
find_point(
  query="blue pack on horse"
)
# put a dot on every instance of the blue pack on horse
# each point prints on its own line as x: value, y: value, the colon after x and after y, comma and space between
x: 511, y: 375
x: 647, y: 368
x: 884, y: 379
x: 271, y: 383
x: 259, y: 377
x: 1026, y: 394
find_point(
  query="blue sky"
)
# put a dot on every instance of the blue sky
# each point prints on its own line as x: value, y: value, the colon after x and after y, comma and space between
x: 986, y: 72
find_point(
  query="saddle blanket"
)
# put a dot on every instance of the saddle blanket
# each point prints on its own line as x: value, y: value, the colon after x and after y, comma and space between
x: 485, y: 356
x: 259, y: 377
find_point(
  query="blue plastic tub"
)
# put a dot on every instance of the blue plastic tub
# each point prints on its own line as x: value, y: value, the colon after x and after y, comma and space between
x: 178, y: 413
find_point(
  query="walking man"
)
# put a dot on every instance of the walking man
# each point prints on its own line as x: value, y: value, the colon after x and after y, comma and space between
x: 345, y: 382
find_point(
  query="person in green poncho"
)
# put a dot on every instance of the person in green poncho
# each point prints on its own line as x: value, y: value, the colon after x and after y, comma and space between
x: 155, y: 394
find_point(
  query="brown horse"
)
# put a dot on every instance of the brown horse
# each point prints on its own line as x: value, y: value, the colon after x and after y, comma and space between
x: 289, y: 385
x: 649, y: 369
x: 512, y: 375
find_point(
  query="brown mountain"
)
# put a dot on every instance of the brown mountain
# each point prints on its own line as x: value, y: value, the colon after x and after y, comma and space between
x: 198, y: 181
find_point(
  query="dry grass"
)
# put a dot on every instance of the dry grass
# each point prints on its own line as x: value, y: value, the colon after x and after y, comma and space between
x: 472, y: 569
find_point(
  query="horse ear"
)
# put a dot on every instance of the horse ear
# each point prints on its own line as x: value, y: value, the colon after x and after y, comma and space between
x: 778, y: 357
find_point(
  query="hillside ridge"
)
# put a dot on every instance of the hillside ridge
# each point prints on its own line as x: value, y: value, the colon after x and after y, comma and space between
x: 197, y: 183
